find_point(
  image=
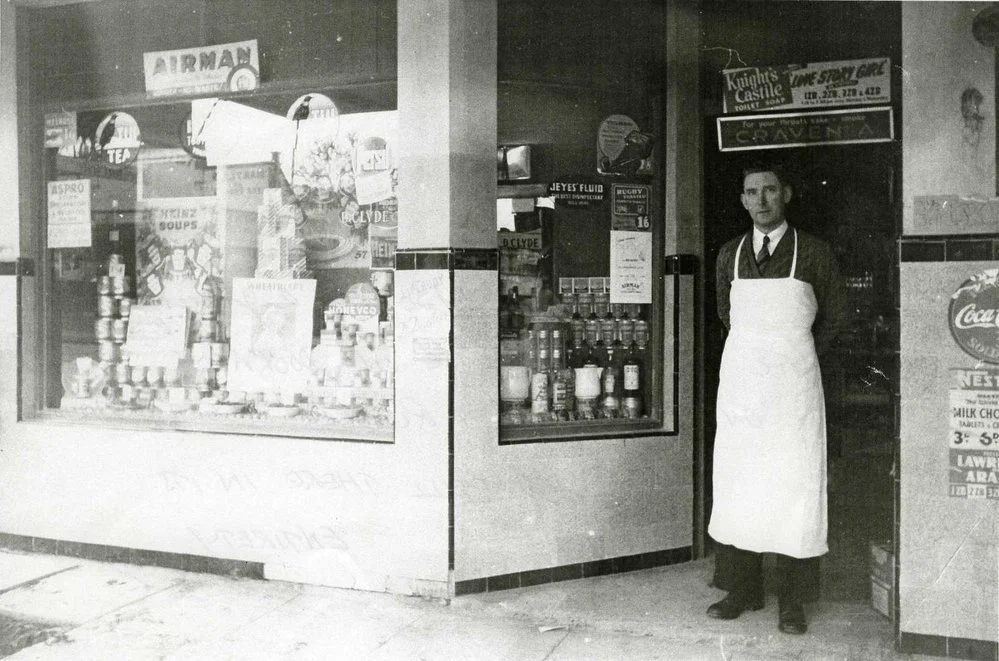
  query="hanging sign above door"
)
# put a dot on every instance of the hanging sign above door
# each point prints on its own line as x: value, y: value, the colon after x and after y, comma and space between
x: 805, y: 129
x: 791, y: 86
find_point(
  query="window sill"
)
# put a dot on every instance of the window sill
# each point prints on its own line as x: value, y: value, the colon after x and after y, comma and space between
x: 305, y: 426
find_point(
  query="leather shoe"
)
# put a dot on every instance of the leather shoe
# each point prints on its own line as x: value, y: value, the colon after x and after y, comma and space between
x: 791, y: 617
x: 732, y: 606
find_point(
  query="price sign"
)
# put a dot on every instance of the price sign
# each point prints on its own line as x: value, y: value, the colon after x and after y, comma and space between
x: 973, y: 437
x: 630, y: 207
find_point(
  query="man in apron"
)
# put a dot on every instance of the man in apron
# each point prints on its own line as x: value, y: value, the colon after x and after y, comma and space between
x: 782, y: 298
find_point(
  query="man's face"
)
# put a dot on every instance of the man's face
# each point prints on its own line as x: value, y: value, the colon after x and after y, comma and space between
x: 765, y: 198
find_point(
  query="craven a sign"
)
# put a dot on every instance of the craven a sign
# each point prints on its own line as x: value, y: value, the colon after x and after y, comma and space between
x: 805, y: 129
x: 205, y: 69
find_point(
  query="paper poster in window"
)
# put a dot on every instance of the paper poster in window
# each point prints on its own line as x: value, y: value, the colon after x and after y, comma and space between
x: 631, y: 267
x: 271, y: 334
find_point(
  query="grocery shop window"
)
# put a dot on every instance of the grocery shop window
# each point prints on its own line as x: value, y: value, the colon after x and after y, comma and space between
x: 580, y: 357
x: 214, y: 259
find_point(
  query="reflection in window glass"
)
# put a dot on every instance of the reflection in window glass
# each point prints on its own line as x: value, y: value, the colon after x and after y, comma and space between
x: 225, y: 267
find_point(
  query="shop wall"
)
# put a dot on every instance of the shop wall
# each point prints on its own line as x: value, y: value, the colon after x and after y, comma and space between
x: 947, y: 543
x: 542, y: 505
x: 536, y: 506
x: 948, y: 149
x: 948, y: 571
x: 362, y: 515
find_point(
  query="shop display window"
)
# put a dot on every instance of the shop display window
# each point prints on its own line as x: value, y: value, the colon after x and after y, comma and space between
x: 223, y: 265
x: 580, y: 349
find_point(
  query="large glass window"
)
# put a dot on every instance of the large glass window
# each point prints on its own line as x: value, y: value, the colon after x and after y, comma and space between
x: 217, y: 257
x: 581, y: 350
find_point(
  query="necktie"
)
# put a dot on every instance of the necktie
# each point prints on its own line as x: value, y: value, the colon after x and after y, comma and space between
x: 764, y: 253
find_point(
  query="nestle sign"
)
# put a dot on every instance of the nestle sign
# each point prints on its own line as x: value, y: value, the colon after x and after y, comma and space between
x: 974, y: 313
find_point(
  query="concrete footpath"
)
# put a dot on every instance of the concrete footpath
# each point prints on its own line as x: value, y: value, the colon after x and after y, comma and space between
x: 54, y: 607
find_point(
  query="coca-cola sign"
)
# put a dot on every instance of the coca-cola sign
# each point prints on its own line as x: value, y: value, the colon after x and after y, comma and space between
x: 974, y: 316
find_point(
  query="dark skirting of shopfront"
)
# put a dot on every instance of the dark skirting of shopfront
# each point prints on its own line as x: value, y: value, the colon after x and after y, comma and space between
x: 954, y: 648
x: 573, y: 571
x: 103, y: 553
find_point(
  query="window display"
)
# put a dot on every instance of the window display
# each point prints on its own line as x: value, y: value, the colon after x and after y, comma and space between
x: 234, y: 275
x: 576, y: 351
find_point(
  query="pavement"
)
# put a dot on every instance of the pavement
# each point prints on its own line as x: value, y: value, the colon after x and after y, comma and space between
x: 54, y: 607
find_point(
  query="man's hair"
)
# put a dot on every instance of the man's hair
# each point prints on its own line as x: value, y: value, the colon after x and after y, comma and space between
x: 765, y: 166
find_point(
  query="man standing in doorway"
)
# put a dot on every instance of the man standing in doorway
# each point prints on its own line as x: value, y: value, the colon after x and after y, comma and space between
x: 782, y: 298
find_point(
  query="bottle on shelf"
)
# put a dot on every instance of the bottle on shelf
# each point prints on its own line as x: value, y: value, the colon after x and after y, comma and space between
x: 633, y: 370
x: 610, y: 404
x: 558, y: 386
x: 540, y: 395
x: 516, y: 313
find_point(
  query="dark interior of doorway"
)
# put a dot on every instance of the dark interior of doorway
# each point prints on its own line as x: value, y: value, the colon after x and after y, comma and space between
x: 847, y: 195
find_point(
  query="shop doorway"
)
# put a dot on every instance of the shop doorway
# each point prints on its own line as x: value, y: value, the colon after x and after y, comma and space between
x: 848, y: 196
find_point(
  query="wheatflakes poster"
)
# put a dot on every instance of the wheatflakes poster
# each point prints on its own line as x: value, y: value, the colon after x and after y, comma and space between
x: 271, y: 334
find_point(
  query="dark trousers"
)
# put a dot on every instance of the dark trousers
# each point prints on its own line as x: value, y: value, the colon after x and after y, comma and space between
x: 741, y: 573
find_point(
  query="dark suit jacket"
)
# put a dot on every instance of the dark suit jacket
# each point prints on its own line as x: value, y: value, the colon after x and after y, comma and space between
x: 816, y: 266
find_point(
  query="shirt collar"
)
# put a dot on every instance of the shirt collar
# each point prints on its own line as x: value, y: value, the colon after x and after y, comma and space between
x: 775, y: 237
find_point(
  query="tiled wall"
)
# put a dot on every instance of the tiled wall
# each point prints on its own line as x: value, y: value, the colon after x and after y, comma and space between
x: 944, y: 154
x: 948, y: 582
x: 536, y: 506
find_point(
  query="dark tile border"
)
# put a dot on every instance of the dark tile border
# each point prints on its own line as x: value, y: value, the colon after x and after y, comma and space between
x: 448, y: 259
x: 103, y: 553
x: 953, y: 648
x: 948, y: 249
x: 682, y: 264
x: 21, y: 266
x: 545, y: 575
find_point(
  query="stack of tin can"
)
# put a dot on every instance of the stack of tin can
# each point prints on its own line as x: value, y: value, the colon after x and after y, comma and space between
x: 114, y: 308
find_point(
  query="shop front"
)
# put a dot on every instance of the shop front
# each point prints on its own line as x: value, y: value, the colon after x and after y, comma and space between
x: 318, y: 292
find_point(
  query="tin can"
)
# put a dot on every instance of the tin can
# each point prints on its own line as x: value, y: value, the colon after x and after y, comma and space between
x: 120, y: 285
x: 119, y: 330
x: 102, y: 328
x: 124, y: 306
x: 207, y: 307
x: 206, y: 331
x: 108, y: 351
x: 116, y: 266
x: 154, y: 376
x: 138, y: 374
x: 105, y: 306
x: 220, y: 354
x: 122, y: 373
x: 104, y: 285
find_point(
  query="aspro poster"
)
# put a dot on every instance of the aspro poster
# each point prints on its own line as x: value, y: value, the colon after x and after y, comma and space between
x: 973, y: 437
x: 822, y: 85
x: 271, y: 334
x: 69, y: 214
x: 631, y: 267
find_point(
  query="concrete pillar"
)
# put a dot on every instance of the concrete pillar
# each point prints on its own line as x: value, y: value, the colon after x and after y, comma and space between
x: 447, y: 119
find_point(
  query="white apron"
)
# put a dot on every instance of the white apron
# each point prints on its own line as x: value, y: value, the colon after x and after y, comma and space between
x: 770, y: 446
